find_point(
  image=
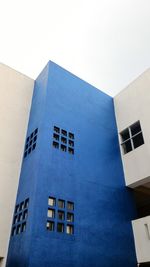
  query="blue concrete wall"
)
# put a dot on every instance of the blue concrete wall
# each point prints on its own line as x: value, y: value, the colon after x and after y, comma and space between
x: 92, y: 178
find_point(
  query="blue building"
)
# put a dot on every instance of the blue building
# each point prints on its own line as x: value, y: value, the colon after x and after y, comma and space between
x: 72, y: 206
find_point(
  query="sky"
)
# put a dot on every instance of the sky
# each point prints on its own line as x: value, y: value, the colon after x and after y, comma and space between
x: 104, y: 42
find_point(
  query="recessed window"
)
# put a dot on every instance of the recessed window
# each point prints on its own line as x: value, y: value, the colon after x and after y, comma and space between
x: 64, y: 132
x: 51, y: 201
x: 23, y: 227
x: 71, y: 143
x: 56, y: 129
x: 30, y: 143
x: 71, y: 135
x: 60, y: 227
x: 64, y: 140
x: 56, y: 136
x: 51, y: 213
x: 69, y: 229
x: 50, y: 225
x: 71, y: 150
x: 70, y: 217
x: 131, y: 137
x: 61, y: 215
x: 55, y: 144
x: 70, y: 205
x: 61, y: 204
x: 63, y: 148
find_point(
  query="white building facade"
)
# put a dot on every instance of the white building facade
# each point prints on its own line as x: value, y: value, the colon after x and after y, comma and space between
x: 132, y: 109
x: 15, y: 101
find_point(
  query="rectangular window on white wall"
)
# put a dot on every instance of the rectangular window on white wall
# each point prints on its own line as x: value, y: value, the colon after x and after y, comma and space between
x: 131, y: 137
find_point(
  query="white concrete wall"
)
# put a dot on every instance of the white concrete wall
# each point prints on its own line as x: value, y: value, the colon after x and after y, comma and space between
x: 141, y: 230
x: 133, y: 104
x: 15, y: 100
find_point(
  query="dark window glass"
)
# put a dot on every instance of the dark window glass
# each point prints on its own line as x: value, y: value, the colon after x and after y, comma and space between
x: 61, y: 215
x: 138, y: 140
x: 135, y: 128
x: 60, y: 227
x: 125, y: 135
x: 50, y: 225
x: 61, y: 204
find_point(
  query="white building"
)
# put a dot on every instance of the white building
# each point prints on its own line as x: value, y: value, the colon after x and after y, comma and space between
x: 16, y: 93
x: 132, y: 108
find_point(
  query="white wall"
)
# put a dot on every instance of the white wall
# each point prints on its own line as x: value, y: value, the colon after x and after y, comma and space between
x: 142, y: 238
x: 15, y: 100
x: 133, y: 104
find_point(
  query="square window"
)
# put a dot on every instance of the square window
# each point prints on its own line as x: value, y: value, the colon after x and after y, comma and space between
x: 135, y: 128
x: 31, y: 136
x: 70, y: 205
x: 55, y: 144
x: 18, y: 231
x: 28, y: 139
x: 21, y: 206
x: 56, y: 136
x: 127, y: 147
x: 51, y: 213
x: 61, y: 203
x: 50, y: 225
x: 26, y: 204
x: 138, y: 140
x: 60, y: 227
x: 125, y: 135
x: 71, y: 135
x: 35, y: 137
x: 63, y: 148
x: 70, y: 217
x: 23, y: 227
x: 25, y: 214
x: 56, y: 129
x: 71, y: 143
x: 64, y: 132
x: 36, y: 130
x: 64, y: 140
x: 51, y: 201
x: 20, y: 217
x: 70, y: 229
x: 30, y: 143
x: 71, y: 150
x: 34, y: 146
x: 61, y: 215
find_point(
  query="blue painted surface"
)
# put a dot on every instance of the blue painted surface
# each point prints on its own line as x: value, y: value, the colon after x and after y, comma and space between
x: 92, y: 178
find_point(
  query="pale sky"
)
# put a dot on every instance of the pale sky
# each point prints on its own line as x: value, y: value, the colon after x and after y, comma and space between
x: 104, y: 42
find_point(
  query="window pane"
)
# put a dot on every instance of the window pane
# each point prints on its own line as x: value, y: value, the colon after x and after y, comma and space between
x: 135, y: 128
x: 70, y: 217
x: 61, y: 215
x: 70, y: 205
x: 127, y: 146
x: 50, y: 226
x: 51, y: 213
x: 60, y: 227
x: 61, y: 204
x: 51, y: 201
x: 69, y: 229
x: 138, y: 140
x: 125, y: 135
